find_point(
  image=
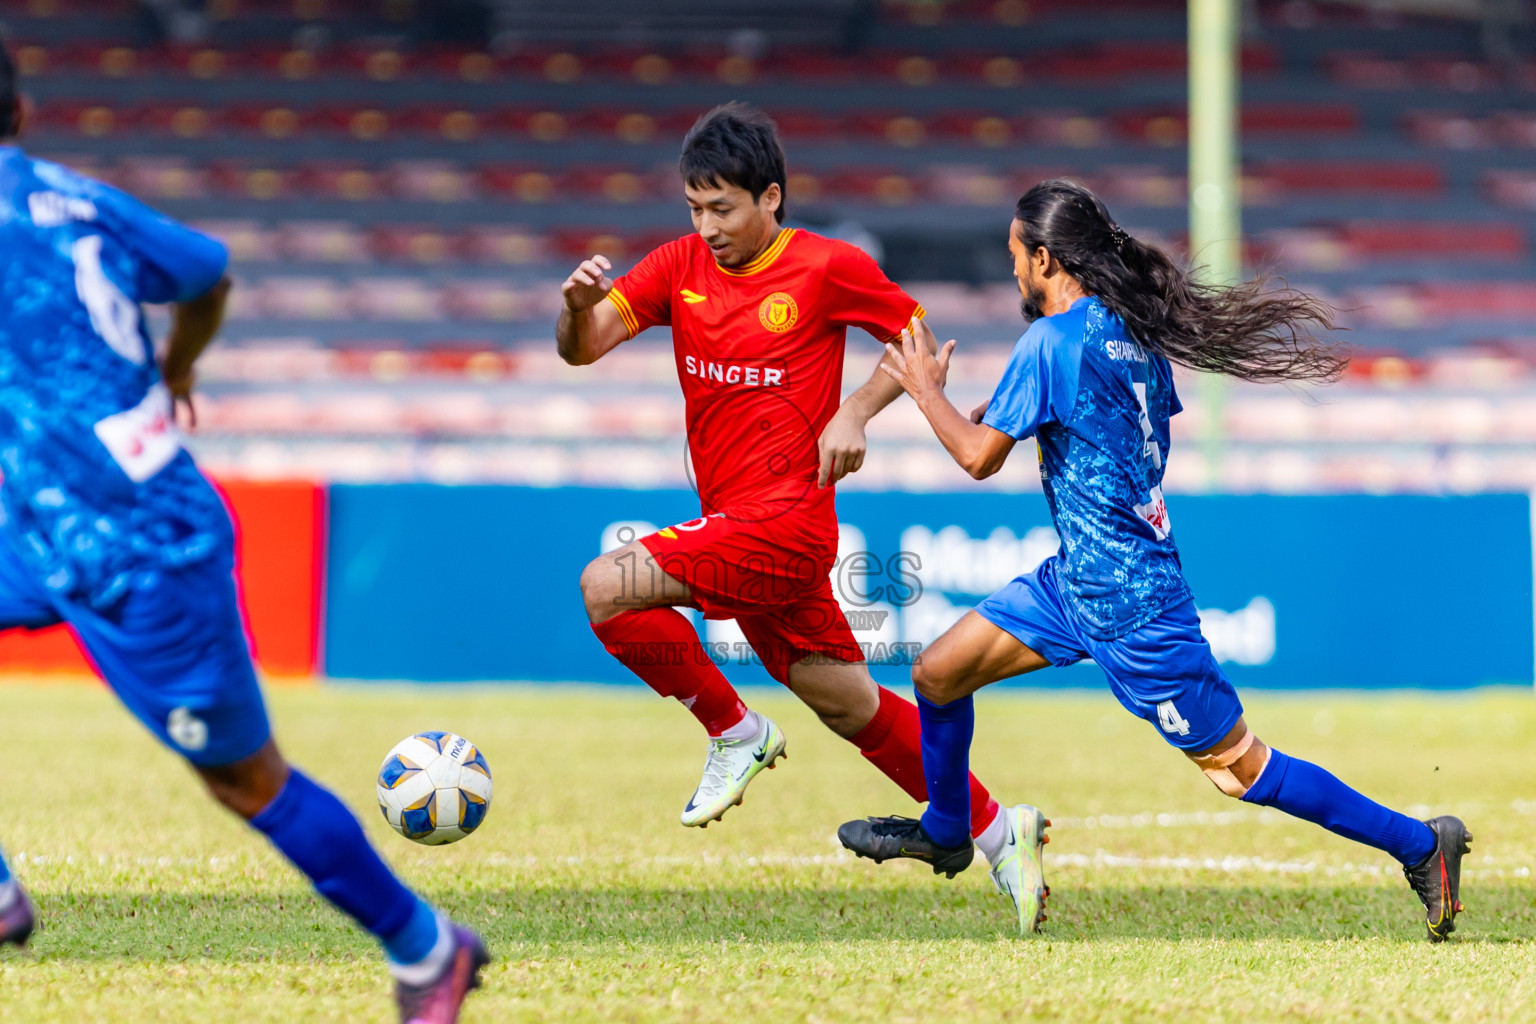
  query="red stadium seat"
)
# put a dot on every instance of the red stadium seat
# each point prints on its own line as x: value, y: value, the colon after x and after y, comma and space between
x: 438, y: 181
x: 1450, y: 131
x: 1169, y: 126
x: 443, y: 121
x: 808, y: 64
x: 961, y: 184
x: 1435, y: 240
x: 272, y: 121
x: 254, y: 181
x: 380, y: 64
x: 163, y: 178
x: 413, y: 243
x: 580, y: 243
x: 524, y: 183
x: 1457, y: 75
x: 1401, y: 179
x: 975, y: 127
x: 92, y: 120
x: 183, y: 121
x: 610, y: 184
x: 504, y: 244
x: 540, y: 125
x: 886, y: 186
x: 207, y: 63
x: 293, y: 64
x: 1066, y: 129
x: 912, y: 70
x: 1515, y: 128
x: 808, y: 124
x: 365, y: 124
x: 323, y: 241
x: 247, y: 240
x: 888, y: 126
x: 397, y: 299
x: 1511, y: 188
x: 494, y: 301
x: 338, y: 180
x: 302, y: 298
x: 1369, y: 71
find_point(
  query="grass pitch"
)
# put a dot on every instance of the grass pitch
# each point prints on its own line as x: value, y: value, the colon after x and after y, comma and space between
x: 1170, y: 902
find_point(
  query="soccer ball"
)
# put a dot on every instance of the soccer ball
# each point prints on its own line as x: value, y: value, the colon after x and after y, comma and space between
x: 434, y: 788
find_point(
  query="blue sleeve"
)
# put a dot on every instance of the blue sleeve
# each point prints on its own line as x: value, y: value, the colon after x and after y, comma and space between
x: 176, y: 263
x: 1038, y: 386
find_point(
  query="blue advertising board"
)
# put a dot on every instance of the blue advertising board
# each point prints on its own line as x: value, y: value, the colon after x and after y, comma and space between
x: 446, y: 583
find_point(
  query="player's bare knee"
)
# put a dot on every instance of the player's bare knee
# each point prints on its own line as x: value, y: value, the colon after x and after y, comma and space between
x: 597, y: 591
x: 248, y: 786
x: 1236, y: 768
x: 935, y: 686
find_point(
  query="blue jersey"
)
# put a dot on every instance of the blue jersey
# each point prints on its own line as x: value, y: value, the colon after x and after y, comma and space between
x: 97, y: 490
x: 1098, y: 404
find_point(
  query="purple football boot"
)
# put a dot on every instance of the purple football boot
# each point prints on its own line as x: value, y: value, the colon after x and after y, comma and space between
x: 438, y: 1001
x: 17, y: 920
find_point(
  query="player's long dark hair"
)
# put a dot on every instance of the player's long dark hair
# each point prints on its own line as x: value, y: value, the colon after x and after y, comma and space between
x: 7, y: 92
x: 1253, y: 330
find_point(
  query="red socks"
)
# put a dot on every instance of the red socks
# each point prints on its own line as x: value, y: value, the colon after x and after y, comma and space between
x: 892, y: 742
x: 660, y: 646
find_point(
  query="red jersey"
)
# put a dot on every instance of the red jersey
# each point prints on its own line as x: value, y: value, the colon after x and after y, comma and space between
x: 759, y: 351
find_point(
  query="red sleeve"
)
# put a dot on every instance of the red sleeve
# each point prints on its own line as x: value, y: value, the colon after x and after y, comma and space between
x: 643, y: 296
x: 860, y: 295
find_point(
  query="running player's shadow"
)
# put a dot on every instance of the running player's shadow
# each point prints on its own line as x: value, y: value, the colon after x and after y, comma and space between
x: 247, y: 927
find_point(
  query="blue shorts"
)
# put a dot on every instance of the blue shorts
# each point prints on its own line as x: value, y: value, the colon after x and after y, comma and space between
x: 173, y: 650
x: 1163, y: 672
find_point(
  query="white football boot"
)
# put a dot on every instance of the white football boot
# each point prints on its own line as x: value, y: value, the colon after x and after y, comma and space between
x: 1018, y: 871
x: 728, y: 768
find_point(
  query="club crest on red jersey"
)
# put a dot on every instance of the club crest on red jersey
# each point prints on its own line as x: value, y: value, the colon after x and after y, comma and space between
x: 778, y: 312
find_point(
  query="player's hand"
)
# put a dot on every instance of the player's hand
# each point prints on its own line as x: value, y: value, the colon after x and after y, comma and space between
x: 841, y: 447
x: 587, y: 284
x: 917, y: 369
x: 180, y: 386
x: 980, y: 411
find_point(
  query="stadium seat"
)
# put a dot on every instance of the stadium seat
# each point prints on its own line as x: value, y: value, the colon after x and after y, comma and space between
x: 1405, y: 178
x: 1434, y: 240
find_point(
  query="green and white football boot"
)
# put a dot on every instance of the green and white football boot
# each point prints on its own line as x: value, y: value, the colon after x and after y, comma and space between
x: 1018, y: 872
x: 728, y: 768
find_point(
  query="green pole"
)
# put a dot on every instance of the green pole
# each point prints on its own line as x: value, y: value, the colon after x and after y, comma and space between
x: 1215, y: 202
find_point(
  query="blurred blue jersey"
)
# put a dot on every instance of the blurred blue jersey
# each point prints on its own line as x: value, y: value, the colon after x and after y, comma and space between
x: 1098, y: 404
x: 97, y: 489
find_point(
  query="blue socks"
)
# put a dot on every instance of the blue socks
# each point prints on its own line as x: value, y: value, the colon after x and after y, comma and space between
x: 946, y: 742
x: 1304, y: 790
x: 412, y: 943
x: 320, y: 836
x: 5, y: 872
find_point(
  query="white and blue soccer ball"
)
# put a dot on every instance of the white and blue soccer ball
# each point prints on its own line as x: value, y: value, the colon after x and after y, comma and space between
x: 434, y: 788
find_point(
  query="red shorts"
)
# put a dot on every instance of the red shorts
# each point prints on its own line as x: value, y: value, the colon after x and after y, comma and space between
x: 769, y: 572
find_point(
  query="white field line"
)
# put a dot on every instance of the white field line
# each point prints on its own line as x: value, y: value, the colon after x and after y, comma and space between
x: 1484, y: 867
x: 1476, y: 867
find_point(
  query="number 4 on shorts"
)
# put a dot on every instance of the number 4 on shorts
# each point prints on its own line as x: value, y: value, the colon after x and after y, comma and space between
x: 1169, y: 718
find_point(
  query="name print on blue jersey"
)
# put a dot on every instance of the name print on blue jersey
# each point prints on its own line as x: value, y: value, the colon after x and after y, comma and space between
x: 1098, y: 405
x: 97, y: 487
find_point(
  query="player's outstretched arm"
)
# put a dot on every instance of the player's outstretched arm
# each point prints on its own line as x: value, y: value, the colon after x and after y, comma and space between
x: 842, y: 444
x: 979, y: 449
x: 193, y: 325
x: 589, y: 328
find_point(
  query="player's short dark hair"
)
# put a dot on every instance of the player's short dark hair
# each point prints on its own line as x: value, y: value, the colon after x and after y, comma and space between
x: 734, y: 144
x: 8, y: 91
